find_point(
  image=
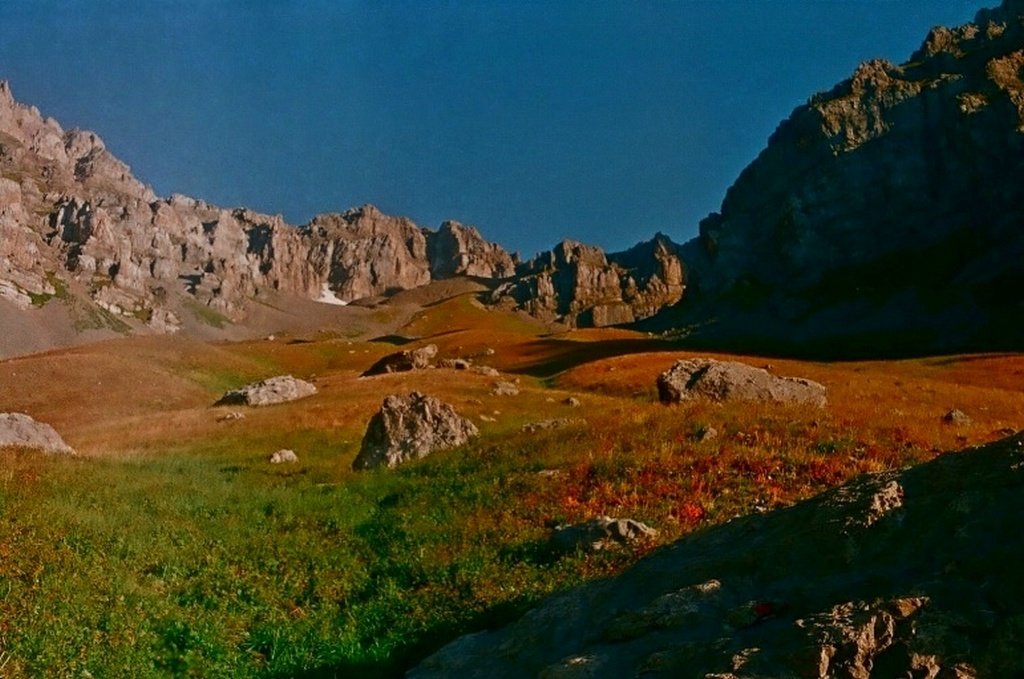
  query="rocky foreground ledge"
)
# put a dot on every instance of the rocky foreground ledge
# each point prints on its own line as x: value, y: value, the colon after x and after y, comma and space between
x: 910, y: 573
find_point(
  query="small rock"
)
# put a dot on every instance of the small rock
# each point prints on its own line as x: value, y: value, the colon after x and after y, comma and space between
x: 600, y: 533
x: 280, y: 389
x: 572, y: 402
x: 233, y: 415
x: 284, y: 455
x: 559, y: 423
x: 956, y: 416
x: 486, y: 371
x: 505, y: 389
x: 455, y: 364
x: 703, y: 434
x: 487, y: 418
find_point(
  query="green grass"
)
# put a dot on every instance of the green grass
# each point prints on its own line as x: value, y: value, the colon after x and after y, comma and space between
x: 206, y: 315
x: 210, y: 562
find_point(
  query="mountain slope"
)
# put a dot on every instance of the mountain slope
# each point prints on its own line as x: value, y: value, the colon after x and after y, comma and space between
x: 888, y: 207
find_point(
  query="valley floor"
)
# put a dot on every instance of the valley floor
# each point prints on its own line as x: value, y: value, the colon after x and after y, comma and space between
x: 170, y: 547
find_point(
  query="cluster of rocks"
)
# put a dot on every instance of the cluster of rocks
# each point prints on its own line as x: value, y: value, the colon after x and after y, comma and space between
x: 404, y: 361
x: 911, y: 573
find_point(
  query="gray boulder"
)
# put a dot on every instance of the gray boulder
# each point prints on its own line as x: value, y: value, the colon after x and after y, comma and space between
x: 711, y: 380
x: 280, y: 389
x: 403, y: 361
x: 600, y: 533
x: 409, y: 428
x: 21, y: 431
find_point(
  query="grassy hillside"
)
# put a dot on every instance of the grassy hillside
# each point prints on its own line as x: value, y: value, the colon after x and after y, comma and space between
x: 170, y: 547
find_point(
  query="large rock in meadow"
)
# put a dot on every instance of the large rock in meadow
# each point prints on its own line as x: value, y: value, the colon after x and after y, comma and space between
x: 280, y: 389
x: 711, y: 380
x: 409, y: 428
x: 21, y: 431
x: 403, y: 361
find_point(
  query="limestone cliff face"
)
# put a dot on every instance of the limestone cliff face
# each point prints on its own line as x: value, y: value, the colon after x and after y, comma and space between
x: 580, y: 285
x: 72, y: 216
x: 897, y: 192
x: 458, y: 250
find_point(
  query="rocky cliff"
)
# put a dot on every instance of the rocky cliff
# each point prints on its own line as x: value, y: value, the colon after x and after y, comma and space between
x: 892, y: 203
x: 76, y: 225
x: 578, y: 284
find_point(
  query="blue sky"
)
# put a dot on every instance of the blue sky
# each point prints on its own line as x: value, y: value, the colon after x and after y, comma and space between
x: 535, y: 121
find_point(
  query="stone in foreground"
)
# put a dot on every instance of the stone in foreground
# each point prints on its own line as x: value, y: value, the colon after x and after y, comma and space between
x: 21, y: 431
x: 912, y: 573
x: 409, y: 428
x: 403, y: 361
x: 600, y: 533
x: 280, y: 389
x: 711, y: 380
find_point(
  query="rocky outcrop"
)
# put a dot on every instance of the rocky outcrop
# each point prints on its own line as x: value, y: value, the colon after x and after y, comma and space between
x: 403, y: 361
x: 910, y: 573
x: 409, y: 428
x: 77, y: 226
x: 18, y: 430
x: 271, y: 391
x: 718, y: 381
x: 457, y: 250
x: 579, y: 285
x: 886, y: 210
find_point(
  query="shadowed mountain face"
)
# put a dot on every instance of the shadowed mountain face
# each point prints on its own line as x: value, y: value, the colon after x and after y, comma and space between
x: 909, y: 573
x: 890, y: 204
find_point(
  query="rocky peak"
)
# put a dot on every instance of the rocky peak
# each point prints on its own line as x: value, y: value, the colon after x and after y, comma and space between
x: 578, y: 284
x: 459, y: 250
x: 896, y: 192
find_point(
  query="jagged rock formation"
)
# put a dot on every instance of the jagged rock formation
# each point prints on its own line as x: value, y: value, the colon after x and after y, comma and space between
x: 409, y: 428
x: 891, y: 203
x: 458, y: 250
x: 580, y: 285
x: 76, y: 225
x: 910, y: 573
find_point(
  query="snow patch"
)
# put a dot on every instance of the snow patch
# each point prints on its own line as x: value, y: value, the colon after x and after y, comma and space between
x: 327, y: 296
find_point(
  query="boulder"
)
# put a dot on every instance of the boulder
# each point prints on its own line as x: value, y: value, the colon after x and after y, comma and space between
x: 283, y: 455
x: 21, y: 431
x: 409, y: 428
x: 280, y: 389
x: 600, y: 533
x: 711, y: 380
x: 957, y: 417
x: 404, y: 361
